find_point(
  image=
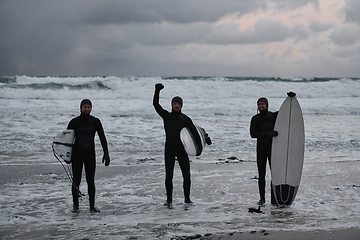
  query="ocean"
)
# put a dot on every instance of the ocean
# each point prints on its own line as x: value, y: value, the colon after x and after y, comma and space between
x: 35, y: 109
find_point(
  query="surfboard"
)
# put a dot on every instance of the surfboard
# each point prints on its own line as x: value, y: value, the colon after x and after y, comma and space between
x: 188, y: 140
x: 287, y: 153
x: 63, y: 144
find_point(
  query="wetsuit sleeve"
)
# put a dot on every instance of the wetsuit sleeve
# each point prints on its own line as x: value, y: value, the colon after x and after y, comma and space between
x: 101, y: 133
x: 162, y: 112
x: 254, y: 132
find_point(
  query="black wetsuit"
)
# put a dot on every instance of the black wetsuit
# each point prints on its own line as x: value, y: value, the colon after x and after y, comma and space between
x: 261, y: 125
x: 173, y: 123
x: 83, y: 153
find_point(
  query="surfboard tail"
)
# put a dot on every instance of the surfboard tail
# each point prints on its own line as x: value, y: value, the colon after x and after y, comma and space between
x: 284, y: 194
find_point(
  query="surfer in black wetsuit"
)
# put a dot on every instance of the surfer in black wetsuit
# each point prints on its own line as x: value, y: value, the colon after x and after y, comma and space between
x: 174, y: 121
x: 262, y: 128
x: 83, y: 152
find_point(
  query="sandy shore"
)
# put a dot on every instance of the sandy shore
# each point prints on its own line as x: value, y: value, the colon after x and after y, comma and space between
x: 36, y: 203
x: 347, y: 234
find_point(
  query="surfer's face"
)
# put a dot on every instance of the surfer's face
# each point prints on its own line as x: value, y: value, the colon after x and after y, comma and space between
x: 176, y: 106
x: 86, y: 108
x: 261, y: 105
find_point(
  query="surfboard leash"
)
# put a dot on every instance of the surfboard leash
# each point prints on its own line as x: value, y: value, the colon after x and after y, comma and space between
x: 69, y: 174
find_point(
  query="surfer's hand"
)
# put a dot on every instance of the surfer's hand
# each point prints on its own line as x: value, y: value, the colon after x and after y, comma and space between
x: 106, y: 159
x: 273, y: 134
x: 159, y: 86
x: 291, y: 94
x: 208, y: 140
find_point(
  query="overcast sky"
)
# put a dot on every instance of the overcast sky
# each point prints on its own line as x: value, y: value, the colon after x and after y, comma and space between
x: 278, y: 38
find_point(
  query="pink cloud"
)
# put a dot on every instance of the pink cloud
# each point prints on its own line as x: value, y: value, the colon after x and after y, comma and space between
x: 328, y: 12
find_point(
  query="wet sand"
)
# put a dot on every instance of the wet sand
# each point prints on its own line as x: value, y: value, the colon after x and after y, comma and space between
x: 36, y: 203
x: 348, y: 234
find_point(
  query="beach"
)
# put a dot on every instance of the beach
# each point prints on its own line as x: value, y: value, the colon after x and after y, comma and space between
x: 37, y: 203
x: 352, y: 233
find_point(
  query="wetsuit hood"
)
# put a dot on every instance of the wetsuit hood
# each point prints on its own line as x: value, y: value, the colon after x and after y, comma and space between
x: 263, y: 99
x: 83, y: 102
x: 179, y: 100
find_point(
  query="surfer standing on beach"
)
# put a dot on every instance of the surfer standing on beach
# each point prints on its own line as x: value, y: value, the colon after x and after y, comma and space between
x: 174, y: 121
x: 83, y: 153
x: 262, y: 128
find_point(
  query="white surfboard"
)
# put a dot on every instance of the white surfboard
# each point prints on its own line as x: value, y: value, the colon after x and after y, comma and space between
x: 287, y: 153
x: 189, y: 142
x: 63, y: 144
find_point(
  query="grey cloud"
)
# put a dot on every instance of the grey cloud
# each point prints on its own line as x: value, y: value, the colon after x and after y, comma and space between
x: 166, y: 34
x: 44, y: 36
x: 288, y: 52
x: 136, y: 37
x: 286, y: 5
x: 265, y: 30
x: 352, y: 11
x: 174, y: 11
x: 317, y: 26
x: 36, y: 38
x: 346, y: 51
x: 269, y: 30
x: 345, y: 34
x: 298, y: 32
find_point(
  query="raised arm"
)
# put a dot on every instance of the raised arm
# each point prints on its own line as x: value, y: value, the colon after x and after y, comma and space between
x: 157, y: 106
